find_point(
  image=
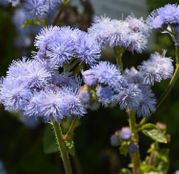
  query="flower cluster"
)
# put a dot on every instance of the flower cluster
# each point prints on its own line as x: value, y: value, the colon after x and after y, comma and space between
x: 36, y: 8
x: 131, y: 33
x: 44, y: 86
x: 31, y: 88
x: 132, y: 89
x: 60, y: 45
x: 123, y: 134
x: 169, y: 14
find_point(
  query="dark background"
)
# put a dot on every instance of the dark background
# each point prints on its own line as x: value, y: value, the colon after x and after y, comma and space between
x: 21, y: 148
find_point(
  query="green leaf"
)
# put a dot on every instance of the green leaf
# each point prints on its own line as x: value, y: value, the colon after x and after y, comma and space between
x: 162, y: 162
x: 49, y: 141
x: 125, y: 171
x: 148, y: 169
x: 154, y: 133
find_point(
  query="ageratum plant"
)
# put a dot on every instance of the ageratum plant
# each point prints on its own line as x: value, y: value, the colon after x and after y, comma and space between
x: 66, y: 76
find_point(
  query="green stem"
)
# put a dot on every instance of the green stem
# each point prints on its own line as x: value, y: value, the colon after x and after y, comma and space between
x: 77, y: 164
x: 118, y: 51
x: 135, y: 156
x: 63, y: 5
x: 169, y: 87
x: 62, y: 148
x: 72, y: 127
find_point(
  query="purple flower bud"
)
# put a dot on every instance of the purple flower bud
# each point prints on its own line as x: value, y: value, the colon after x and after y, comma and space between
x: 84, y: 96
x: 125, y: 133
x: 89, y: 78
x: 132, y: 148
x: 114, y: 140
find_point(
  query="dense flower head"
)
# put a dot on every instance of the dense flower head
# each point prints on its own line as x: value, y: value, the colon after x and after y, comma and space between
x: 130, y: 33
x: 55, y: 105
x: 33, y: 89
x: 105, y: 95
x: 132, y: 75
x: 40, y: 8
x: 30, y: 73
x: 13, y: 95
x: 157, y: 68
x: 130, y: 97
x: 58, y: 45
x: 169, y: 14
x: 105, y: 73
x: 148, y: 102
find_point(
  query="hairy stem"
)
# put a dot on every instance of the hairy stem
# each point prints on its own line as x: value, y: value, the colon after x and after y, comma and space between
x: 135, y: 156
x: 118, y: 51
x: 62, y: 148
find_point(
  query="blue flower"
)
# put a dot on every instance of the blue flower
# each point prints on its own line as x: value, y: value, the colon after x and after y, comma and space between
x: 88, y: 50
x: 107, y: 74
x: 14, y: 95
x: 105, y: 96
x: 58, y: 45
x: 55, y: 105
x: 132, y: 75
x: 36, y: 8
x: 157, y: 68
x: 130, y: 97
x: 30, y: 73
x: 111, y: 33
x: 169, y: 14
x: 147, y: 105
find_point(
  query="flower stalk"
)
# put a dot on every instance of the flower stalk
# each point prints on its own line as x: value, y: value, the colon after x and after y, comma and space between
x: 135, y: 156
x: 62, y: 148
x: 118, y: 51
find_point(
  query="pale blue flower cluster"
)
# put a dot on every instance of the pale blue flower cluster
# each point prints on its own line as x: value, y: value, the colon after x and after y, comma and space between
x: 60, y: 45
x: 169, y: 14
x: 36, y: 9
x: 132, y: 89
x: 32, y: 88
x: 157, y: 68
x: 131, y: 33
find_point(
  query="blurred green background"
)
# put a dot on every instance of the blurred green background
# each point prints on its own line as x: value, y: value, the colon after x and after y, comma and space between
x: 21, y: 147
